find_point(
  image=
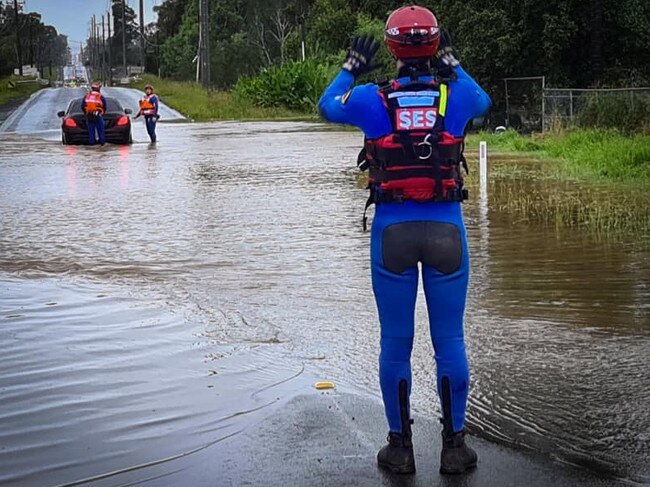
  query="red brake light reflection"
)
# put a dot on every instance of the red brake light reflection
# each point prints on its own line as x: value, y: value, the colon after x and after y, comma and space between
x: 123, y: 120
x: 69, y: 122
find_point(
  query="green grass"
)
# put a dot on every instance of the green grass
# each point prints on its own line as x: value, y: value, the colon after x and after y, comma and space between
x: 21, y: 91
x: 602, y: 209
x: 596, y: 180
x: 581, y: 154
x: 199, y: 104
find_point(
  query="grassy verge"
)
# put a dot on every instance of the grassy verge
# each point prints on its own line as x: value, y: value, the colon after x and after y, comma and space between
x: 592, y: 179
x: 594, y: 154
x: 201, y: 105
x: 22, y: 90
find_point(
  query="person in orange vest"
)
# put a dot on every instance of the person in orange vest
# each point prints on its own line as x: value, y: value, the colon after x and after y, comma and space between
x: 94, y: 106
x: 149, y: 109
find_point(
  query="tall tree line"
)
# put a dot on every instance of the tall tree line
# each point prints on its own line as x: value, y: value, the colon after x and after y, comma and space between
x: 574, y: 43
x: 41, y: 45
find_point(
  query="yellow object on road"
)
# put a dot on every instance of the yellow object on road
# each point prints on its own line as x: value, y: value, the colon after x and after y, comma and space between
x: 324, y: 385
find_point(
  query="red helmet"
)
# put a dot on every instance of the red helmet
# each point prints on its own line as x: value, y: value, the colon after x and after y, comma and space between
x: 412, y: 32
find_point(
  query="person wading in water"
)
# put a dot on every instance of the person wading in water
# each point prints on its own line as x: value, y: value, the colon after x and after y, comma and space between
x: 149, y: 109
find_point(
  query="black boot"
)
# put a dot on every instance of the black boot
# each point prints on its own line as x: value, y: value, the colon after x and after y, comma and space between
x: 397, y: 456
x: 456, y: 457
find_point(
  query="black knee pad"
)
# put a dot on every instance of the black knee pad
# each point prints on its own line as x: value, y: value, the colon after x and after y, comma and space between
x: 435, y: 244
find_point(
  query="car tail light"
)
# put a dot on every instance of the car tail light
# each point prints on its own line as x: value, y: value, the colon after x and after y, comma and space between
x: 123, y: 120
x: 69, y: 122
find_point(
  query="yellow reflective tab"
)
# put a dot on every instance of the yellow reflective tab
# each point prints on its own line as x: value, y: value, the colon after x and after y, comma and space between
x: 443, y: 100
x: 346, y: 96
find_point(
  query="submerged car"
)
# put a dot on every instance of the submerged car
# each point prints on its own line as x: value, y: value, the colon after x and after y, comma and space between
x: 117, y: 124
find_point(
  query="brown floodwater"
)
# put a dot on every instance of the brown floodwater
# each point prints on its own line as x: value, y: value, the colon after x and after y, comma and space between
x: 172, y: 292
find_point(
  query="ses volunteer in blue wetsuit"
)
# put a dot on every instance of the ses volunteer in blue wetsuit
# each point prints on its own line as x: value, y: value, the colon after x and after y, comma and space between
x: 149, y: 109
x: 94, y: 106
x: 414, y: 127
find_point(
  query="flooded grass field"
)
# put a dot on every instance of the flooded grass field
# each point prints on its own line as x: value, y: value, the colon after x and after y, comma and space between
x: 154, y: 299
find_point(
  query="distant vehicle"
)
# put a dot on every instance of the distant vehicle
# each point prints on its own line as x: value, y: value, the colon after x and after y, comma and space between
x: 117, y: 124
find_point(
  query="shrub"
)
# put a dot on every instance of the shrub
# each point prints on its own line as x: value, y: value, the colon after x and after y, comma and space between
x: 296, y: 85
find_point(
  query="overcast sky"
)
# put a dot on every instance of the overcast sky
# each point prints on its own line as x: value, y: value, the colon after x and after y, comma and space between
x: 72, y: 17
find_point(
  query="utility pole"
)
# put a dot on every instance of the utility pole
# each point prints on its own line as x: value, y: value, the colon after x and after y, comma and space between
x: 204, y: 43
x: 142, y: 53
x: 103, y: 52
x: 158, y: 51
x: 99, y: 47
x: 124, y: 38
x: 93, y: 50
x: 18, y: 46
x: 98, y: 59
x: 31, y: 43
x: 110, y: 50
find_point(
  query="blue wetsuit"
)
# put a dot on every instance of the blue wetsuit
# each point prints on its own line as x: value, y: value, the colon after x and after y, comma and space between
x: 150, y: 120
x: 95, y: 125
x: 396, y: 291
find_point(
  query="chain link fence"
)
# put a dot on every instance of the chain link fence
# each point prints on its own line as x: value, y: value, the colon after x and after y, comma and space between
x: 532, y: 107
x: 627, y: 109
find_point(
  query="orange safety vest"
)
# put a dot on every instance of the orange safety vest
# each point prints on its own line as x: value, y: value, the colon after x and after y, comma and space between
x: 94, y: 102
x: 146, y: 106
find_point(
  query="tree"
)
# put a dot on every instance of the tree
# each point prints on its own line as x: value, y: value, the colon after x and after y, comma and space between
x: 170, y: 15
x: 41, y: 44
x: 571, y: 42
x: 132, y: 36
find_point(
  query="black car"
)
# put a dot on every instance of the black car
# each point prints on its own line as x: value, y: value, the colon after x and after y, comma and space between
x: 117, y: 124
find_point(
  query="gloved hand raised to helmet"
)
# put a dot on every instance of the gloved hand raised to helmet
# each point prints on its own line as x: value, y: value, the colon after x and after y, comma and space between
x: 358, y: 59
x: 445, y: 58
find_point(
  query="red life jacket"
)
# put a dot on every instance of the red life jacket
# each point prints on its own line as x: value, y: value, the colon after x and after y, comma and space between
x: 419, y: 160
x: 94, y: 102
x: 146, y: 105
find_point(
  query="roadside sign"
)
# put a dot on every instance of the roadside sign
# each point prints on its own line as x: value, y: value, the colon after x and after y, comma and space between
x: 11, y: 84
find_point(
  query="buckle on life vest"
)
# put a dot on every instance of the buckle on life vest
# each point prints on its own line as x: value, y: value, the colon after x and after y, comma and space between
x: 428, y: 152
x: 362, y: 160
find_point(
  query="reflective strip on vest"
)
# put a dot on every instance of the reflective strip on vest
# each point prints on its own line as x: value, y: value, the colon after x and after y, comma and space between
x: 443, y: 100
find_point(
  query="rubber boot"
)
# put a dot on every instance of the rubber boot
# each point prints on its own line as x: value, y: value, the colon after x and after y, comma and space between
x: 397, y: 456
x: 456, y: 457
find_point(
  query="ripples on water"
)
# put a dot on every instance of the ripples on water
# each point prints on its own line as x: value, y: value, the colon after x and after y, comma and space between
x: 145, y: 288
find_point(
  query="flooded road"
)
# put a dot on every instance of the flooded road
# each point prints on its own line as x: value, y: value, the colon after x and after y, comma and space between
x: 38, y: 115
x: 156, y: 299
